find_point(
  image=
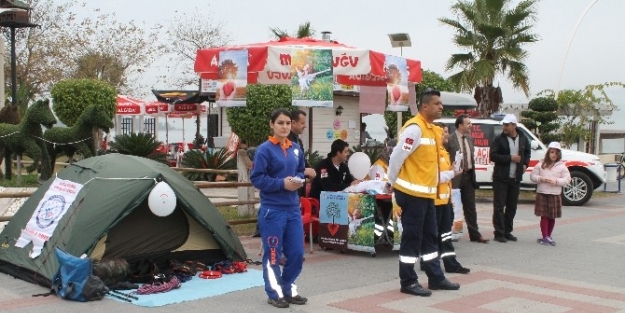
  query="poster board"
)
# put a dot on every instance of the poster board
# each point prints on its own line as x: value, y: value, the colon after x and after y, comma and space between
x: 347, y: 221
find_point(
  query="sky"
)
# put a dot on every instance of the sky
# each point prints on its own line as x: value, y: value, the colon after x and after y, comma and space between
x: 596, y: 54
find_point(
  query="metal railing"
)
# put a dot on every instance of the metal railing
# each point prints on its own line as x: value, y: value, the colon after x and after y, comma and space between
x: 245, y: 199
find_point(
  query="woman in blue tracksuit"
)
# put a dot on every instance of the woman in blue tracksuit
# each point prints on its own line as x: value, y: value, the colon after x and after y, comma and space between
x: 278, y: 172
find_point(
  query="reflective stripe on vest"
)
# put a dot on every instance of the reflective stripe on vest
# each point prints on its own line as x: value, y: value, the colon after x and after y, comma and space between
x: 416, y: 188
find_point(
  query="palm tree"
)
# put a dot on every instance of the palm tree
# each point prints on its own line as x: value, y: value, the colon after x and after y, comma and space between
x: 304, y: 30
x: 494, y: 37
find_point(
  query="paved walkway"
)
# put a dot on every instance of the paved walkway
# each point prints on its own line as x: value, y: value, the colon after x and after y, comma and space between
x: 583, y: 273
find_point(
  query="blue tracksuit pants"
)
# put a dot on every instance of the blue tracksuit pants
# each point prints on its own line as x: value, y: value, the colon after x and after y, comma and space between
x: 282, y: 233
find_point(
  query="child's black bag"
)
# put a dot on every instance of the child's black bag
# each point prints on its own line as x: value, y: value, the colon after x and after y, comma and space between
x: 73, y: 280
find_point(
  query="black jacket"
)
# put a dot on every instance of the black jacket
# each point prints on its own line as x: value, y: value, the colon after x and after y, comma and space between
x: 295, y: 139
x: 329, y: 178
x: 500, y: 155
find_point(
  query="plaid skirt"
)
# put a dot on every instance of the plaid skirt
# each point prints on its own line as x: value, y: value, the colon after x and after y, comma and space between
x: 548, y: 205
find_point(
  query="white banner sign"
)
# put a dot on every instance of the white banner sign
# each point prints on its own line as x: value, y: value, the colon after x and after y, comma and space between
x: 344, y: 61
x: 47, y: 215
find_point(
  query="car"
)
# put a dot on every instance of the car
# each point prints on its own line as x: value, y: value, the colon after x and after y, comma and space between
x: 587, y: 172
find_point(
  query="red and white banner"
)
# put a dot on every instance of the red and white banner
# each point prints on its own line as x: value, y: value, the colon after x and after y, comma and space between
x: 270, y: 62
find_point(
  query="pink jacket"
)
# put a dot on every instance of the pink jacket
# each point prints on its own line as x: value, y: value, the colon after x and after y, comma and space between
x: 558, y: 171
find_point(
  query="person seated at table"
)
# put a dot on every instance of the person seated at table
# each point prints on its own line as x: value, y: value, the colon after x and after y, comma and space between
x: 332, y: 172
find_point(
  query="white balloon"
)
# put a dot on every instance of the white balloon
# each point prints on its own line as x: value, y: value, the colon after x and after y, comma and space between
x: 359, y: 164
x: 162, y: 200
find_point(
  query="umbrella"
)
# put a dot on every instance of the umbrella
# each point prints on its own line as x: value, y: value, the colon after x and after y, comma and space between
x: 129, y: 106
x: 270, y: 62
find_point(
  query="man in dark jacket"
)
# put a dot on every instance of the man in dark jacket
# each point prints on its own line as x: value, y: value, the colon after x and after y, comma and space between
x: 298, y: 124
x: 332, y: 172
x: 511, y: 153
x: 461, y: 140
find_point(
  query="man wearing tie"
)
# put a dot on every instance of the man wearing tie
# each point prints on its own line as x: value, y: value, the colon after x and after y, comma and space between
x: 461, y: 140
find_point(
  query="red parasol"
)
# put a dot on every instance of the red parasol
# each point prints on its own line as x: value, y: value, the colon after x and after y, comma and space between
x: 128, y: 106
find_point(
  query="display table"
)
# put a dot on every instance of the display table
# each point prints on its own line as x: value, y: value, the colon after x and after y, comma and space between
x: 356, y: 221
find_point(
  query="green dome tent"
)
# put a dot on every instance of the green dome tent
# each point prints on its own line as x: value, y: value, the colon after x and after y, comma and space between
x: 110, y: 218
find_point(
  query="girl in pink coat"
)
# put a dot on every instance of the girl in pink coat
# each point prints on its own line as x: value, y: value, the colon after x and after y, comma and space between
x: 551, y: 175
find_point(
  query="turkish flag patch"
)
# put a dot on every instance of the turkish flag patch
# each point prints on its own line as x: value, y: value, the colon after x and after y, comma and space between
x: 409, y: 141
x: 324, y: 173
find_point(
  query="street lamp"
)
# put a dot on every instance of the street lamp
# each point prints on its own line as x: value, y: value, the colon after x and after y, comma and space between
x: 13, y: 14
x: 400, y: 40
x: 568, y: 47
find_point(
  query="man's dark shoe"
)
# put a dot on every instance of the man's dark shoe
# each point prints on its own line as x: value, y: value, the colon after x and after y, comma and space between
x: 299, y: 300
x: 256, y: 235
x: 511, y: 237
x: 416, y: 290
x: 460, y: 270
x: 278, y: 303
x: 444, y: 285
x: 480, y: 240
x: 501, y: 239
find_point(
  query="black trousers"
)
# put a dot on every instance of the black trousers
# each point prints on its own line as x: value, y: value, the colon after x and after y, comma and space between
x: 444, y: 220
x: 419, y: 238
x: 467, y: 196
x: 506, y: 197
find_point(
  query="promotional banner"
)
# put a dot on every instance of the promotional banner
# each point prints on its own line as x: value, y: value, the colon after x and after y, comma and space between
x: 396, y: 83
x: 312, y: 83
x: 333, y: 220
x: 351, y: 221
x: 232, y: 77
x: 47, y: 215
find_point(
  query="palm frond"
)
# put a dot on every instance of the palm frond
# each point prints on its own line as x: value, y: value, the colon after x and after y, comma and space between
x: 519, y: 76
x: 304, y: 30
x: 453, y: 23
x: 139, y: 144
x: 278, y: 33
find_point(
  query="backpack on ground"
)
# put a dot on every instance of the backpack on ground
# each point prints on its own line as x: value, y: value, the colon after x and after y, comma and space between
x: 74, y: 281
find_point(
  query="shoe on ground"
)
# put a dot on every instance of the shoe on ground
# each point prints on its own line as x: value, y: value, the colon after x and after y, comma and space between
x: 480, y: 240
x: 550, y: 241
x: 460, y: 270
x: 542, y: 241
x: 444, y: 285
x: 278, y: 303
x: 416, y: 290
x: 299, y: 300
x: 511, y: 237
x: 501, y: 239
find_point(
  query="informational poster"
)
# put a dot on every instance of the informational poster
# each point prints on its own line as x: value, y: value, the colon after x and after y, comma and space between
x: 396, y: 83
x: 51, y: 208
x: 232, y: 77
x: 312, y: 84
x: 333, y: 220
x: 348, y: 221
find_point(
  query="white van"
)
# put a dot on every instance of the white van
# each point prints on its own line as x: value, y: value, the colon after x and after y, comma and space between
x: 587, y: 172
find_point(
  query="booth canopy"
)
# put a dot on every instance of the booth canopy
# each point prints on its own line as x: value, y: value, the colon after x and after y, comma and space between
x: 270, y: 62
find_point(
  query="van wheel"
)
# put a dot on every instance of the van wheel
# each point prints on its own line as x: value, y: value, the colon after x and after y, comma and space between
x: 579, y: 191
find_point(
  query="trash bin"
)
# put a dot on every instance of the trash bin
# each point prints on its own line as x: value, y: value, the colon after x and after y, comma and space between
x: 610, y: 170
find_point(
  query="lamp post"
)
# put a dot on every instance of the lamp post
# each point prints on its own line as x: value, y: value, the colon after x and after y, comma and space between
x: 14, y: 14
x: 568, y: 47
x: 400, y: 40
